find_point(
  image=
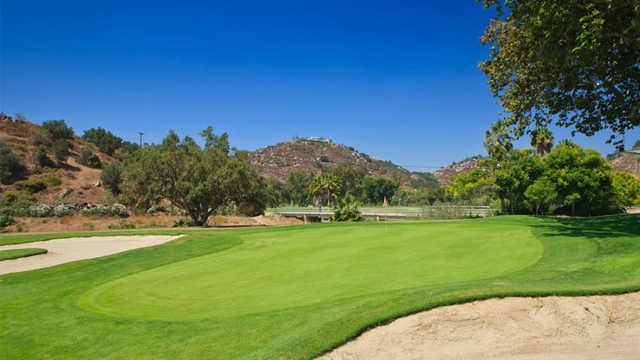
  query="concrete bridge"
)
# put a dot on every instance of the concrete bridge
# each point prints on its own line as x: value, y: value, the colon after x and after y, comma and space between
x: 388, y: 214
x: 326, y: 216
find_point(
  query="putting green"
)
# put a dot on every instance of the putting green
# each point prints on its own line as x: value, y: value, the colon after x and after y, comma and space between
x: 296, y: 292
x: 270, y: 272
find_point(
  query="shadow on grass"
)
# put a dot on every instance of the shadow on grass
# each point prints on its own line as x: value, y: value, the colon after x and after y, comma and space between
x: 599, y: 227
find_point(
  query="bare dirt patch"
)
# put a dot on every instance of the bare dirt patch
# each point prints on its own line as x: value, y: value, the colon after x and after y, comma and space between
x: 567, y: 328
x: 72, y: 249
x: 87, y: 223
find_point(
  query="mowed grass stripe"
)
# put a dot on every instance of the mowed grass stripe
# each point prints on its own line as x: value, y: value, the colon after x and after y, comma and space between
x: 296, y: 292
x: 20, y: 253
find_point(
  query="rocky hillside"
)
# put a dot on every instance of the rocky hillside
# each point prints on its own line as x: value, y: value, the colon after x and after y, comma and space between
x: 74, y: 182
x: 447, y: 173
x: 317, y: 155
x: 628, y: 161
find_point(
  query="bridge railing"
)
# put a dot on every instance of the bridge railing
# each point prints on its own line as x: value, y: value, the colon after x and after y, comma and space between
x: 422, y: 212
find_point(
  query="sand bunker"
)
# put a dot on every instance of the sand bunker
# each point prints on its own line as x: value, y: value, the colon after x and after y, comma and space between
x: 567, y: 328
x: 73, y: 249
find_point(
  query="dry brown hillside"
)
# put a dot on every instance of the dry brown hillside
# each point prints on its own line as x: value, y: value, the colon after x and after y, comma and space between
x: 446, y: 174
x: 77, y: 181
x: 316, y: 155
x: 628, y: 161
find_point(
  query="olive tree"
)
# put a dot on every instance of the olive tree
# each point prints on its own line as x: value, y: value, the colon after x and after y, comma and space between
x: 197, y: 179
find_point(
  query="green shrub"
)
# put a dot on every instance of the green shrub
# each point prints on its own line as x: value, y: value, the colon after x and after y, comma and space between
x: 119, y: 210
x: 31, y: 185
x: 60, y: 149
x: 40, y: 210
x: 347, y: 209
x: 15, y: 204
x: 11, y: 166
x: 88, y: 158
x: 53, y: 180
x: 122, y: 225
x: 40, y: 137
x: 98, y: 210
x: 112, y: 177
x: 62, y: 210
x: 41, y: 158
x: 6, y: 220
x: 58, y: 129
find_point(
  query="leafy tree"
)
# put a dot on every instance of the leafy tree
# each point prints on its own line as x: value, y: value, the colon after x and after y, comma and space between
x: 518, y: 170
x: 325, y: 189
x: 58, y: 130
x: 541, y: 196
x: 106, y: 141
x: 347, y: 209
x: 582, y: 180
x: 350, y: 178
x: 218, y: 142
x: 111, y: 177
x: 277, y: 193
x: 627, y: 188
x: 88, y: 158
x: 298, y: 184
x: 197, y: 180
x: 378, y: 188
x: 475, y: 187
x: 573, y: 63
x: 126, y: 149
x: 60, y: 149
x: 11, y: 166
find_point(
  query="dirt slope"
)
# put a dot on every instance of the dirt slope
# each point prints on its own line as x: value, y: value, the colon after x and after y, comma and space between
x: 80, y: 179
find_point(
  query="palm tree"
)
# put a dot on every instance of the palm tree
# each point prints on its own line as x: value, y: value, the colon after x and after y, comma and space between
x: 498, y: 141
x: 542, y: 140
x: 325, y: 188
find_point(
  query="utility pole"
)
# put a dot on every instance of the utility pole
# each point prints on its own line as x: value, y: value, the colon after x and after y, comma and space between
x: 141, y: 134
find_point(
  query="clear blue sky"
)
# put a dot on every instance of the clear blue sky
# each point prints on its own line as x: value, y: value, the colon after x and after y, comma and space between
x: 396, y: 79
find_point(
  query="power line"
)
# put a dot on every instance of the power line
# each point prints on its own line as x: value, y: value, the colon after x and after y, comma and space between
x: 422, y: 166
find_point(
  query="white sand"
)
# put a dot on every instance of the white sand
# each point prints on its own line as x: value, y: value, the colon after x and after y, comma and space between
x: 73, y: 249
x: 553, y: 328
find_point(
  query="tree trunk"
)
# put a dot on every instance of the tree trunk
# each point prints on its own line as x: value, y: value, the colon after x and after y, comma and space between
x: 199, y: 219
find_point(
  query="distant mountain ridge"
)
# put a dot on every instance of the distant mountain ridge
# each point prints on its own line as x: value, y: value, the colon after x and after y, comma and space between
x: 446, y: 174
x: 317, y: 155
x: 628, y: 161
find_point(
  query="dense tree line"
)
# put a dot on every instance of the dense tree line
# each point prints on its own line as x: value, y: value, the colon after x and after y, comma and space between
x: 568, y: 180
x: 348, y: 180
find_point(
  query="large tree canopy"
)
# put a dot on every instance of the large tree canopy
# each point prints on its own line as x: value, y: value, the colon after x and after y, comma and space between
x: 198, y: 180
x: 573, y: 64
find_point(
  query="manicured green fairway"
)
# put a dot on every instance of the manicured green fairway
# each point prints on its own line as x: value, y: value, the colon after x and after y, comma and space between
x: 18, y: 253
x: 296, y: 292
